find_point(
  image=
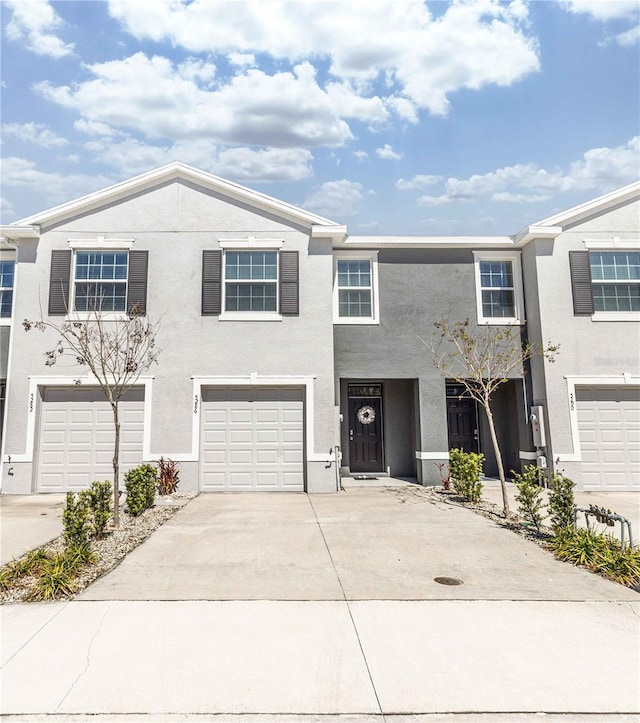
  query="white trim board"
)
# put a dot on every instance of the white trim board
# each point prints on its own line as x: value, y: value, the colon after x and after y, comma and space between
x: 618, y: 380
x: 261, y: 380
x: 59, y: 381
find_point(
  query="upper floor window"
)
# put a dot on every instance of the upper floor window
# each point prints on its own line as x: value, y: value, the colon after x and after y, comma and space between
x: 104, y: 275
x: 615, y: 277
x: 251, y: 281
x: 355, y: 288
x: 499, y: 288
x: 100, y: 280
x: 7, y: 272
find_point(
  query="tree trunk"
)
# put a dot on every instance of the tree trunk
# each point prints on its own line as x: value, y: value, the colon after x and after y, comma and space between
x: 496, y: 449
x: 116, y: 468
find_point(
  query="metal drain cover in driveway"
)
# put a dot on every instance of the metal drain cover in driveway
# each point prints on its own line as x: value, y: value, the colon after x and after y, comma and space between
x: 448, y: 581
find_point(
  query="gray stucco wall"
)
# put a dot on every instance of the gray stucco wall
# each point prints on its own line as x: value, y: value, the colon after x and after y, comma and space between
x: 5, y: 333
x: 416, y: 288
x: 175, y: 222
x: 588, y: 348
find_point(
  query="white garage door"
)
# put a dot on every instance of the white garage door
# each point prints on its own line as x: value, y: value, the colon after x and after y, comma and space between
x: 77, y: 436
x: 609, y: 428
x: 252, y: 439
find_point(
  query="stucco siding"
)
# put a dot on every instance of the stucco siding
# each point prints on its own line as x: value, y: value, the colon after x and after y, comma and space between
x: 175, y: 223
x: 588, y: 347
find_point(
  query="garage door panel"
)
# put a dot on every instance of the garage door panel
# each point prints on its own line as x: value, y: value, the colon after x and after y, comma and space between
x: 266, y: 456
x: 77, y: 437
x: 246, y: 437
x: 609, y: 437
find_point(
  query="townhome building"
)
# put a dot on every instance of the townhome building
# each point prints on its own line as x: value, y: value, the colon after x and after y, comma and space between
x: 292, y: 352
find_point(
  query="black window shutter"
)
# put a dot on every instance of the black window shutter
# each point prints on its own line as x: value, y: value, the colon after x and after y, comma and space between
x: 289, y: 291
x: 211, y: 283
x: 137, y: 283
x: 59, y: 300
x: 581, y: 283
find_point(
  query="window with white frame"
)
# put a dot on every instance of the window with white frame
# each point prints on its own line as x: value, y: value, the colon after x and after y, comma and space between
x: 499, y: 288
x: 100, y: 280
x: 355, y: 292
x: 615, y: 280
x: 7, y: 274
x: 251, y: 281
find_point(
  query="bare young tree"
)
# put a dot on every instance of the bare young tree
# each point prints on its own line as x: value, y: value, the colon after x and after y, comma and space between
x: 483, y: 361
x: 116, y: 350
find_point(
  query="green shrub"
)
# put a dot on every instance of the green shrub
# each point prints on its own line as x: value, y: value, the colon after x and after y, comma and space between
x: 168, y: 477
x: 466, y: 468
x: 140, y: 483
x: 529, y: 495
x: 76, y: 520
x: 599, y: 553
x: 100, y: 496
x: 562, y: 504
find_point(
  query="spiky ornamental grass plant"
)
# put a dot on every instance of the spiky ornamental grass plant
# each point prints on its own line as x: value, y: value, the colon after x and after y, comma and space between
x: 117, y: 351
x: 482, y: 359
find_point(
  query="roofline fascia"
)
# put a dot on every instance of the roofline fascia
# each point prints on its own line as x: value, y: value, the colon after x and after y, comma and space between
x: 146, y: 180
x: 408, y: 242
x: 537, y: 231
x: 14, y: 233
x: 620, y: 195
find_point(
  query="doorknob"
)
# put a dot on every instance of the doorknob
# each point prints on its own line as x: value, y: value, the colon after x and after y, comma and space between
x: 351, y: 435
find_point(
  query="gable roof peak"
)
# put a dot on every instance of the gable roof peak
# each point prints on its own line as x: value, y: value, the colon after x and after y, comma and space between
x: 170, y: 171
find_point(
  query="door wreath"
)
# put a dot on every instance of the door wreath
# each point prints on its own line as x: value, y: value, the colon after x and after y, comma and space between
x: 366, y: 415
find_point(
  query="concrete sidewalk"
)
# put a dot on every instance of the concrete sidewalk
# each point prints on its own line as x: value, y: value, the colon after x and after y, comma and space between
x: 355, y: 658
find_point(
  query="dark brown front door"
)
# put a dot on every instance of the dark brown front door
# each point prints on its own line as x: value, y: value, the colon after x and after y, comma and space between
x: 462, y: 421
x: 365, y: 432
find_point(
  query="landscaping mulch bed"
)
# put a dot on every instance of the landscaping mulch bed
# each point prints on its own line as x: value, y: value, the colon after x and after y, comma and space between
x: 109, y: 550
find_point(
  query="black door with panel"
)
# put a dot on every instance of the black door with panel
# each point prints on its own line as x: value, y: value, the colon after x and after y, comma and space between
x: 462, y: 422
x: 365, y: 434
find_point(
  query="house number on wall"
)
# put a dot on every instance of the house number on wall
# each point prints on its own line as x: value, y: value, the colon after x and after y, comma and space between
x: 195, y: 404
x: 31, y: 403
x: 572, y: 405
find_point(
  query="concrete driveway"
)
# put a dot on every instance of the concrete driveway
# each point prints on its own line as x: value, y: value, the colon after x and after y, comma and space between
x: 382, y: 543
x: 28, y: 521
x: 265, y: 605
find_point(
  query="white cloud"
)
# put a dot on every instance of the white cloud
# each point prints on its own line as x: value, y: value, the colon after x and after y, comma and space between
x: 361, y: 155
x: 269, y: 164
x: 520, y: 197
x: 599, y: 170
x: 32, y: 22
x: 94, y: 128
x: 387, y: 153
x: 417, y: 183
x: 6, y: 208
x: 336, y: 199
x: 132, y: 156
x: 421, y: 58
x: 629, y: 37
x: 53, y: 188
x: 605, y: 10
x: 242, y: 59
x: 36, y: 133
x: 154, y: 97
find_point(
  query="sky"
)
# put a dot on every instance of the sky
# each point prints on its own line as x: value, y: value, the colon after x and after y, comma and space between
x: 395, y: 117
